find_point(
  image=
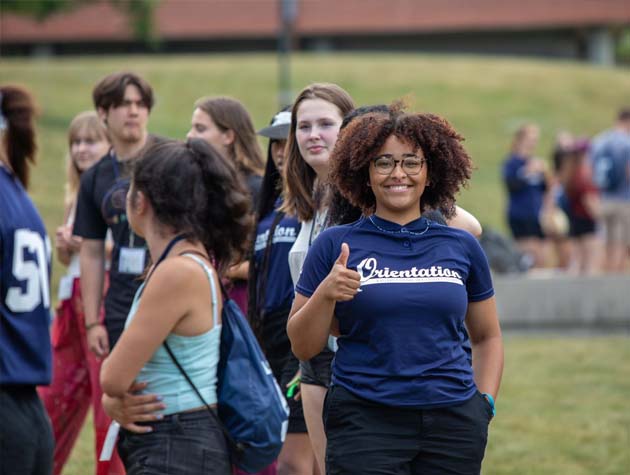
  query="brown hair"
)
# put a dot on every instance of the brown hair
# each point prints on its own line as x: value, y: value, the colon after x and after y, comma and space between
x: 520, y: 135
x: 448, y: 165
x: 230, y: 114
x: 624, y: 114
x: 18, y: 141
x: 195, y: 189
x: 299, y: 177
x: 110, y: 91
x: 90, y: 123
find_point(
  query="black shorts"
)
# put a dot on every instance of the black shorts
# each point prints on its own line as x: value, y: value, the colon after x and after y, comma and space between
x: 297, y: 424
x: 366, y: 438
x: 317, y: 370
x: 283, y: 363
x: 275, y: 342
x: 581, y: 226
x: 526, y: 228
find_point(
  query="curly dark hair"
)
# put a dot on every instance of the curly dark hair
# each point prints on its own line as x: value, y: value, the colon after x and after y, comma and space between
x: 193, y: 189
x: 449, y: 165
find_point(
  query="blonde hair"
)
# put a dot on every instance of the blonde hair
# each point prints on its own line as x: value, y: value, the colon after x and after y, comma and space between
x: 230, y: 114
x: 521, y: 134
x: 90, y: 124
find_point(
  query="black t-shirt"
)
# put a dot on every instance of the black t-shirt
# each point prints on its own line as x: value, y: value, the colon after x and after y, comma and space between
x: 101, y: 205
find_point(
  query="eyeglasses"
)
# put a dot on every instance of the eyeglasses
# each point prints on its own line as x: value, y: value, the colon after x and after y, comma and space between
x: 410, y: 164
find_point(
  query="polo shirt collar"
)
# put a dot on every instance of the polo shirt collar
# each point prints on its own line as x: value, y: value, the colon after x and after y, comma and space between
x: 416, y: 226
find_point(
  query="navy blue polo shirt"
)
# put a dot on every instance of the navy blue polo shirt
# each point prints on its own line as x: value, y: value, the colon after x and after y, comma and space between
x: 401, y: 340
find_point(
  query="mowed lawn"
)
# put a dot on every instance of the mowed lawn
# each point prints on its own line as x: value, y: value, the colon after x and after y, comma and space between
x: 565, y: 403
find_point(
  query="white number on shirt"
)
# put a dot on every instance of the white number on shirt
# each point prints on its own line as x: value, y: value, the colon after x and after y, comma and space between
x: 34, y: 272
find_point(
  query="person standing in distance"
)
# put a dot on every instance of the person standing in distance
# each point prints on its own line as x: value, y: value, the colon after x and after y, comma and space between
x: 26, y: 438
x: 610, y: 157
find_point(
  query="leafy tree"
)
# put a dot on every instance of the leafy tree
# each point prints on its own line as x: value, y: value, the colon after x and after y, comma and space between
x: 139, y: 12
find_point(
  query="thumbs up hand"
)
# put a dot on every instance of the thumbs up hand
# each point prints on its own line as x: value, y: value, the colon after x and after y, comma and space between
x: 341, y: 284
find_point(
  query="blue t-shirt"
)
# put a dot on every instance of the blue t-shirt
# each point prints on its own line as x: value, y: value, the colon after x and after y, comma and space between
x: 25, y: 351
x: 401, y: 340
x: 525, y: 191
x: 610, y: 153
x: 278, y: 291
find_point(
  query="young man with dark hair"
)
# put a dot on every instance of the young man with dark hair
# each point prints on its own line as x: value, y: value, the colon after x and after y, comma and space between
x: 123, y: 101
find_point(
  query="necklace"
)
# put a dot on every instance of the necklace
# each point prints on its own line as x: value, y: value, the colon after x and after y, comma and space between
x: 398, y: 232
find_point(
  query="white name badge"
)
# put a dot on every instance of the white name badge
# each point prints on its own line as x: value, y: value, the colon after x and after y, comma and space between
x: 131, y: 260
x: 65, y: 288
x: 110, y: 442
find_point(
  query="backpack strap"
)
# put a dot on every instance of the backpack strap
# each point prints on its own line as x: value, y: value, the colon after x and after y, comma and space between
x: 215, y: 317
x: 226, y: 434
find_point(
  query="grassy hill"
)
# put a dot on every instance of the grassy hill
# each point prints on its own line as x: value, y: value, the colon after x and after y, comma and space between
x: 564, y: 405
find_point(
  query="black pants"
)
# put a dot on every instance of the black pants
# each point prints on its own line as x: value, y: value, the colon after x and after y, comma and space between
x: 26, y: 438
x: 368, y: 438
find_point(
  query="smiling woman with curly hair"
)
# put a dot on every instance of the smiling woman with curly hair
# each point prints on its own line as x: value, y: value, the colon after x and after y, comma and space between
x: 448, y: 164
x: 398, y: 289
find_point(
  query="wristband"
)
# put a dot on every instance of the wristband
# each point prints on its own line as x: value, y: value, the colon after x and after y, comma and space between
x: 490, y: 400
x: 92, y: 325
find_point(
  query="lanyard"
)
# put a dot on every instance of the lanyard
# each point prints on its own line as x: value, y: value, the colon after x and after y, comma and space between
x: 114, y: 164
x: 169, y: 246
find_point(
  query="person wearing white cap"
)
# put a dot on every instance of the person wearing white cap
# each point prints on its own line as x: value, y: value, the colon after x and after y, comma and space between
x: 271, y: 294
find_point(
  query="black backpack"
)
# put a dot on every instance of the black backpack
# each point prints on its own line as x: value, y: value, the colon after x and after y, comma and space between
x: 503, y: 255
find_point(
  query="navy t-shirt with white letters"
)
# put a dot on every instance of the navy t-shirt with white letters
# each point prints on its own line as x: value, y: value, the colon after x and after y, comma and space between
x: 401, y: 340
x: 278, y: 291
x: 25, y: 348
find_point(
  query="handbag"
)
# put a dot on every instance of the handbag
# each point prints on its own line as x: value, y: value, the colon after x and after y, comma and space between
x: 252, y: 411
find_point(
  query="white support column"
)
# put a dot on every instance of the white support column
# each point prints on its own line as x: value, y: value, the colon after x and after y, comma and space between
x: 601, y: 47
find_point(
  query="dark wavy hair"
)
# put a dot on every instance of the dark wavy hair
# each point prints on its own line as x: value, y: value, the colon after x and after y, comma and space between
x: 449, y: 165
x: 19, y: 146
x: 110, y: 91
x: 299, y: 177
x: 194, y: 189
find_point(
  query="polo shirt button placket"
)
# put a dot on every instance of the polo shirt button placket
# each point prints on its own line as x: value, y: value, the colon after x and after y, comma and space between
x: 406, y: 243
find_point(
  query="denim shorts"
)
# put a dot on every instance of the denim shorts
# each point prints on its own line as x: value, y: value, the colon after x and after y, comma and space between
x: 186, y: 443
x: 368, y: 438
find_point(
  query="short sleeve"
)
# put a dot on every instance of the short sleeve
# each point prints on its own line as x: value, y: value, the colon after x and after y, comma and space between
x: 88, y: 222
x: 479, y: 282
x: 319, y: 261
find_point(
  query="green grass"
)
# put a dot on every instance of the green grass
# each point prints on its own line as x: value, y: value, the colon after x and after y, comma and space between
x: 564, y: 409
x: 485, y: 99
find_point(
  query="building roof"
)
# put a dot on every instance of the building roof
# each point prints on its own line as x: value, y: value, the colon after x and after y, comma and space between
x: 205, y: 19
